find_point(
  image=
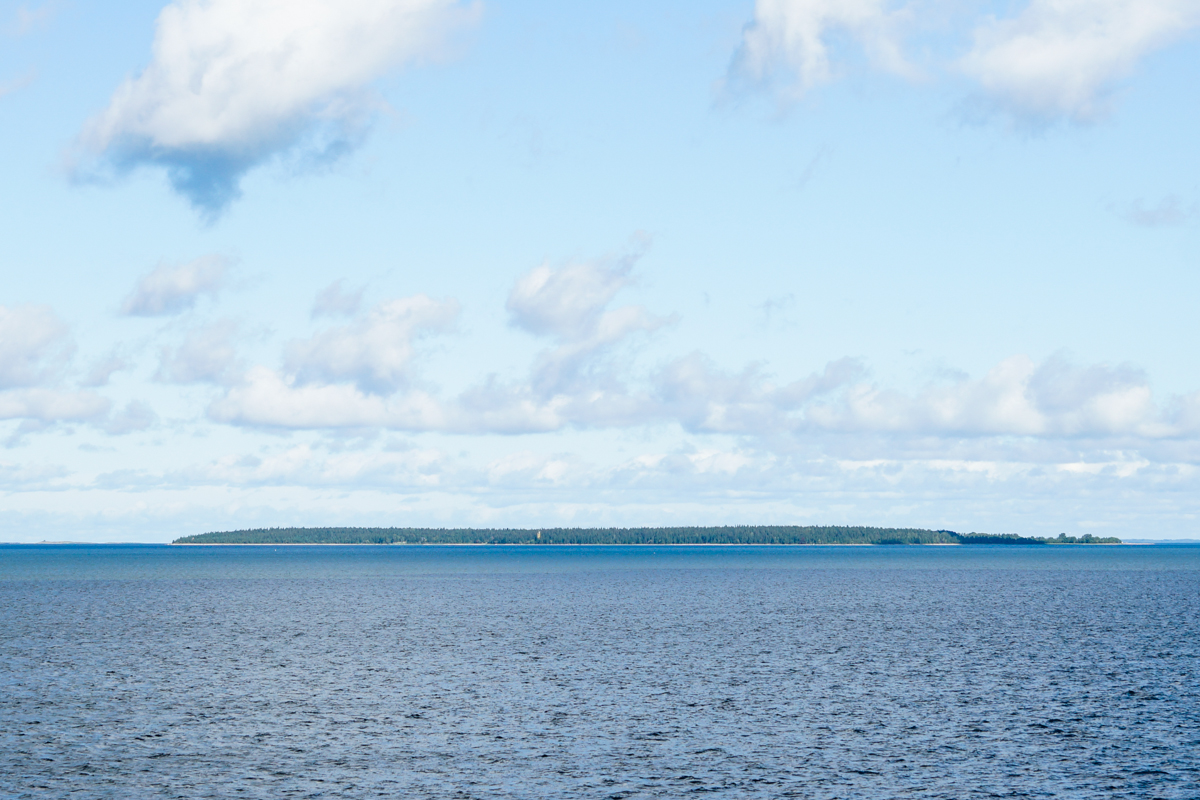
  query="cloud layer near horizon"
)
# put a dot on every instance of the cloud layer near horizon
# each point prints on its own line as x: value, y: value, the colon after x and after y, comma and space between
x: 349, y: 408
x: 363, y: 374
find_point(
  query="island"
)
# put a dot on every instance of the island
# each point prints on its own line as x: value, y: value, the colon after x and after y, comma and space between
x: 732, y: 534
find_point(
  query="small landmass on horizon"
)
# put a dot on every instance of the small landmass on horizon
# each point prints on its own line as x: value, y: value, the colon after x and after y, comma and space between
x: 736, y: 534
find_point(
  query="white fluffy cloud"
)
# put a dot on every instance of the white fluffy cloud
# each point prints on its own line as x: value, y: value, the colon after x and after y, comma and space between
x: 1015, y: 398
x: 34, y: 344
x: 361, y: 375
x: 1062, y: 57
x: 373, y: 352
x: 570, y: 305
x: 268, y: 399
x: 135, y: 416
x: 1051, y: 59
x: 206, y: 355
x: 51, y: 405
x: 170, y: 289
x: 796, y: 35
x: 231, y: 82
x: 347, y: 376
x: 701, y: 397
x: 35, y: 347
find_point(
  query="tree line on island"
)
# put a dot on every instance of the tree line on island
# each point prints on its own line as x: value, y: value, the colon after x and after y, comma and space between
x: 734, y: 534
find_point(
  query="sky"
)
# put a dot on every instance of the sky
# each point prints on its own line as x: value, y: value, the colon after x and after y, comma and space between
x: 506, y: 263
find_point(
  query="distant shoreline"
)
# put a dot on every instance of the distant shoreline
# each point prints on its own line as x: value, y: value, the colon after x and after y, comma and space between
x: 591, y: 544
x: 659, y: 536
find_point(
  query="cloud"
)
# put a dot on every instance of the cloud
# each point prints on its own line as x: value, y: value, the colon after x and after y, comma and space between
x: 569, y: 305
x: 332, y: 301
x: 798, y: 37
x: 702, y: 398
x: 265, y: 398
x: 51, y: 405
x: 104, y: 369
x: 233, y: 82
x: 347, y: 376
x: 373, y: 352
x: 172, y: 289
x: 34, y: 345
x: 23, y: 476
x: 1169, y: 211
x: 207, y: 355
x: 1063, y: 58
x: 360, y: 375
x: 29, y: 19
x: 1015, y: 398
x: 135, y: 416
x: 18, y: 83
x: 1053, y: 59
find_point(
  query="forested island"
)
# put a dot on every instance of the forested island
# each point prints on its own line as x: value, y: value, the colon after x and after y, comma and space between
x: 736, y: 534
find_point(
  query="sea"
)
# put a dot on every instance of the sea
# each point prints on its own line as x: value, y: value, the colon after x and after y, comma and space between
x: 146, y: 671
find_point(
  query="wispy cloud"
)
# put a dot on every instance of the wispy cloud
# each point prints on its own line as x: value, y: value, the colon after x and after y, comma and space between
x: 170, y: 289
x: 335, y: 301
x: 1168, y: 211
x: 18, y: 83
x: 207, y: 355
x: 28, y: 18
x: 233, y: 82
x: 135, y: 416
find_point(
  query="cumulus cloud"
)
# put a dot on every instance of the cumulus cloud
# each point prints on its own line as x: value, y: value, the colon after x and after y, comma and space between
x: 233, y: 82
x: 1052, y: 59
x: 373, y: 352
x: 701, y: 397
x: 570, y: 305
x: 797, y: 36
x: 34, y: 345
x: 135, y: 416
x: 1062, y: 58
x: 1015, y: 398
x: 361, y: 375
x: 104, y: 369
x: 206, y: 355
x: 268, y: 399
x: 347, y: 376
x: 171, y: 289
x: 51, y: 405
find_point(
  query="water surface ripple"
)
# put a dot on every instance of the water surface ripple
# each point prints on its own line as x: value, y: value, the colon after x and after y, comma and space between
x: 491, y: 672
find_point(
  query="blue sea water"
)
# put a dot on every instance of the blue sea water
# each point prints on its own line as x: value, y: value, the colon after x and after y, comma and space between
x: 600, y: 672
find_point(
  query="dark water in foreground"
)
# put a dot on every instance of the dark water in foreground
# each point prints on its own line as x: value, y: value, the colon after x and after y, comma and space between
x: 600, y: 672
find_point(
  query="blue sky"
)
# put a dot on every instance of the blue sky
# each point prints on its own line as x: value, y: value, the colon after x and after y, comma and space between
x: 421, y: 262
